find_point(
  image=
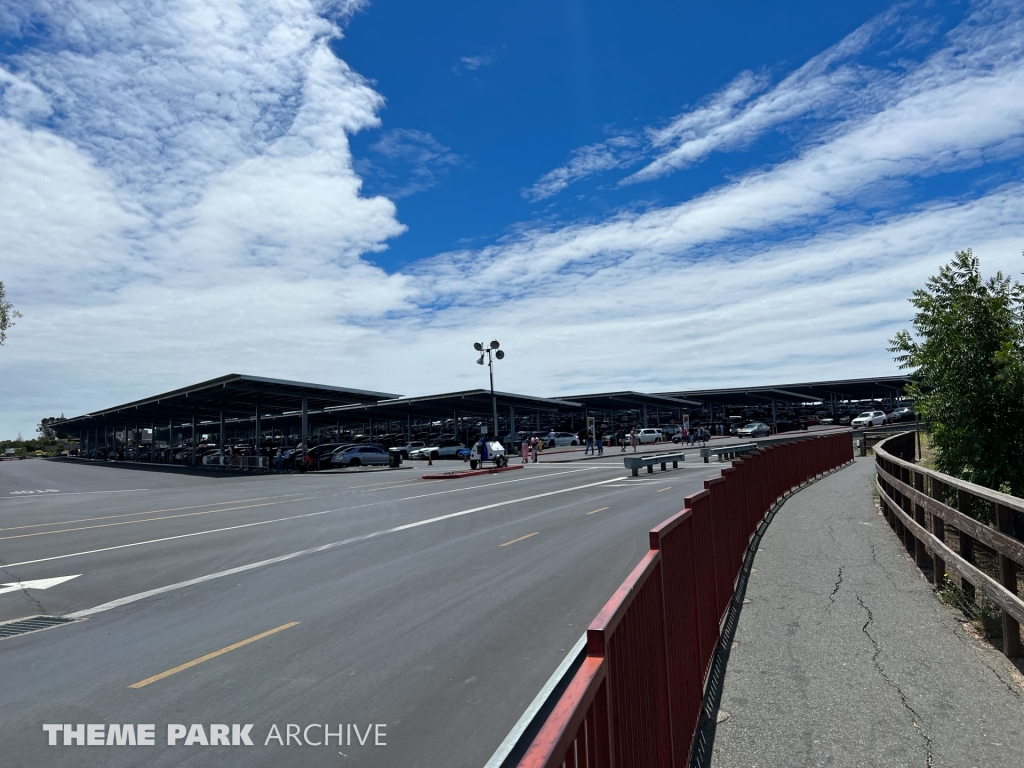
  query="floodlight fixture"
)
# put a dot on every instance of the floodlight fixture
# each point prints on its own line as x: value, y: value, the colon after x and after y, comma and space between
x: 500, y: 354
x: 480, y: 360
x: 478, y: 347
x: 495, y: 344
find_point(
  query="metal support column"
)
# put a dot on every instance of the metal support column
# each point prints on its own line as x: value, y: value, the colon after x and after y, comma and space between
x: 220, y: 440
x: 511, y: 424
x: 257, y: 432
x: 193, y: 460
x: 305, y: 423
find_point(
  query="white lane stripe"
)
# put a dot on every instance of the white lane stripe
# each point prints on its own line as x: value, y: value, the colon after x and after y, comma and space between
x: 265, y: 522
x: 291, y: 556
x: 86, y: 493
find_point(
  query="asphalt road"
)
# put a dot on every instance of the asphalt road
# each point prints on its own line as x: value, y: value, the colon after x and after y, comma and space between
x: 435, y: 608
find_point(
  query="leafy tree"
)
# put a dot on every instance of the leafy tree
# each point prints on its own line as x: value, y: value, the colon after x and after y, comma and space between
x: 967, y: 362
x: 45, y: 428
x: 8, y: 314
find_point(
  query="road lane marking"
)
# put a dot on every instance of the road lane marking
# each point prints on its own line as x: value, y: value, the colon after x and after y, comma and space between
x: 281, y: 558
x: 602, y: 509
x: 521, y: 538
x: 86, y: 493
x: 152, y: 519
x: 215, y: 654
x: 17, y: 586
x: 148, y: 512
x: 666, y: 488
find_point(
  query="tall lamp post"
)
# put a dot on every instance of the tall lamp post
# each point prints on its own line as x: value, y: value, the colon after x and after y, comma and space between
x: 491, y: 351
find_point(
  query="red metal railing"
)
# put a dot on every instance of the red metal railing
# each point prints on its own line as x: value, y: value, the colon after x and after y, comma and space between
x: 635, y: 702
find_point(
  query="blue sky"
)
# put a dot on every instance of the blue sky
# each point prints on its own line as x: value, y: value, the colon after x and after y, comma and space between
x: 628, y: 195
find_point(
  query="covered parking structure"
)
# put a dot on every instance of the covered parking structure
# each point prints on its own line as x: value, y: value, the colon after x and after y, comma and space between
x: 636, y: 407
x: 466, y: 410
x: 250, y: 406
x: 834, y: 395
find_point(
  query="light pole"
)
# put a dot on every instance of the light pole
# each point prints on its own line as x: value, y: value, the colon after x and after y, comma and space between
x: 491, y: 351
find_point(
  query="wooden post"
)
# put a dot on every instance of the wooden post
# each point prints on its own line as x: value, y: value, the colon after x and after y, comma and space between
x: 920, y: 552
x: 963, y: 503
x: 939, y: 530
x: 1008, y: 578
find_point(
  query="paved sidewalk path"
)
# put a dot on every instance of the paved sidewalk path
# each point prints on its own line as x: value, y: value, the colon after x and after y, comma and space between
x: 844, y: 657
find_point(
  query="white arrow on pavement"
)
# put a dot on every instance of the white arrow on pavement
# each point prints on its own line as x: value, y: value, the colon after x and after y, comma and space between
x: 17, y: 586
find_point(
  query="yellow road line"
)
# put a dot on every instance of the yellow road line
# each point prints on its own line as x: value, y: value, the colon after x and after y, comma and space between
x: 602, y: 509
x: 149, y: 512
x: 666, y: 488
x: 207, y: 657
x: 150, y: 519
x: 519, y: 539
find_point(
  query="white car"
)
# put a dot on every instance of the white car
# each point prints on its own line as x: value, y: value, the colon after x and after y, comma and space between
x: 443, y: 449
x: 650, y: 435
x: 408, y: 448
x: 560, y: 439
x: 754, y: 429
x: 869, y: 419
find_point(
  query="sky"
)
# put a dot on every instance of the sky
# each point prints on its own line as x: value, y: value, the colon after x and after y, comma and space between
x: 647, y: 195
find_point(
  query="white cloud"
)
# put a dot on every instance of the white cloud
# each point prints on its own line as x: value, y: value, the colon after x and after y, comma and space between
x: 131, y: 286
x: 475, y: 62
x: 616, y: 152
x: 408, y: 161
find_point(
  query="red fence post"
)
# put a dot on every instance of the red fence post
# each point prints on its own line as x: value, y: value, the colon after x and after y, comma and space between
x: 707, y: 588
x: 721, y: 543
x: 629, y: 633
x: 674, y: 539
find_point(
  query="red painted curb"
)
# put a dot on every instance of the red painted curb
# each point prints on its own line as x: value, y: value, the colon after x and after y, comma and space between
x: 471, y: 473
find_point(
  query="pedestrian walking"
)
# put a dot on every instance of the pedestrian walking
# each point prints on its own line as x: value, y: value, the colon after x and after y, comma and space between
x: 600, y: 445
x: 634, y: 439
x: 524, y: 450
x: 621, y: 437
x: 534, y: 447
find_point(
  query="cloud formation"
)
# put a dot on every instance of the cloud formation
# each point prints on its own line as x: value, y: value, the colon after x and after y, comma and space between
x: 152, y: 240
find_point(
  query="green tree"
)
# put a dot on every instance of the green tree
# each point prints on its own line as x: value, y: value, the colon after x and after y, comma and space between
x: 966, y: 359
x: 8, y: 314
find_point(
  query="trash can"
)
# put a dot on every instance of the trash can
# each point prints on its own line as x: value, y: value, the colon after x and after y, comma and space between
x: 394, y: 457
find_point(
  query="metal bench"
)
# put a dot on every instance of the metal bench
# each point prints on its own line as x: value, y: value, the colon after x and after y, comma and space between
x: 727, y: 452
x: 635, y: 462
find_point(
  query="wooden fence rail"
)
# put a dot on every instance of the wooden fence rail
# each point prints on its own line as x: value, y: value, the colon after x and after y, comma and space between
x: 915, y: 501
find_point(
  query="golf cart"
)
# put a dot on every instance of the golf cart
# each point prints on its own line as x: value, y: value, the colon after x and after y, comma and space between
x: 485, y: 450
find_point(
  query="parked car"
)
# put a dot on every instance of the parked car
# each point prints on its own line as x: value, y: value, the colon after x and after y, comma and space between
x: 650, y: 435
x: 408, y: 448
x: 754, y: 429
x: 670, y: 431
x: 320, y: 456
x: 869, y: 419
x: 810, y: 421
x: 902, y: 414
x: 443, y: 449
x: 560, y: 439
x: 359, y: 455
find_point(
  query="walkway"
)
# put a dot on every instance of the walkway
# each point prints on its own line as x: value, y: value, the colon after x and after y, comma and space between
x: 844, y: 657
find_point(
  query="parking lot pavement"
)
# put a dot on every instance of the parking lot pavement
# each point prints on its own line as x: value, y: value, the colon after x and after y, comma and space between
x: 353, y: 598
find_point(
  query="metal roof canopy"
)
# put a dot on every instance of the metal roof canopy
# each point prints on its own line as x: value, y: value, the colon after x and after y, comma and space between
x: 472, y: 402
x: 617, y: 401
x: 841, y: 389
x: 237, y: 395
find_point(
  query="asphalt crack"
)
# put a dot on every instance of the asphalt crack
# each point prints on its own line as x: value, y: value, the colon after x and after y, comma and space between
x: 24, y: 591
x: 914, y: 716
x: 839, y: 583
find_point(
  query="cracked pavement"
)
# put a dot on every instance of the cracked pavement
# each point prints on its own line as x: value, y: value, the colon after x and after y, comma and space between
x: 844, y: 657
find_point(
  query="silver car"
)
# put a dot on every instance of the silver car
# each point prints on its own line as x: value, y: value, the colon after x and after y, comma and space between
x: 359, y: 455
x: 754, y: 429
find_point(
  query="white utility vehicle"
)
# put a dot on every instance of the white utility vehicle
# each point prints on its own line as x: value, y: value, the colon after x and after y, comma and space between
x: 484, y: 451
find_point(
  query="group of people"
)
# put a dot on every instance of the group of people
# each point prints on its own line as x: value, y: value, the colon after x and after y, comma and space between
x: 530, y: 448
